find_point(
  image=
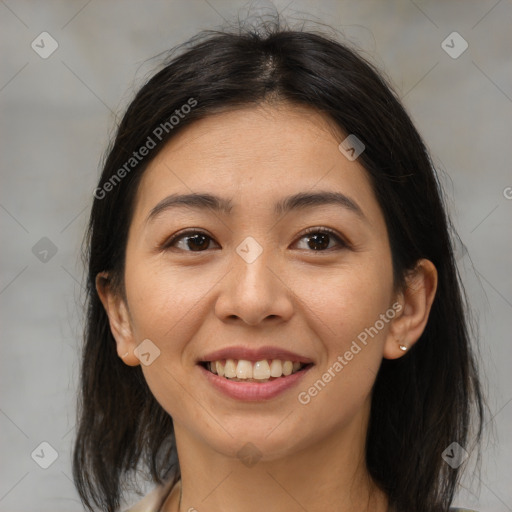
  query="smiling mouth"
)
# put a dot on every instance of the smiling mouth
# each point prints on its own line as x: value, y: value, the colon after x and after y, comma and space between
x: 242, y: 370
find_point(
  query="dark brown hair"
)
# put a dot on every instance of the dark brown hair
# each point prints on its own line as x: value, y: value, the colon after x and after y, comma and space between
x: 421, y: 402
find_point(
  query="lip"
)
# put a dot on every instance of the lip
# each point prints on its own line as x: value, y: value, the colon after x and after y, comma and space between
x: 254, y: 354
x: 253, y: 391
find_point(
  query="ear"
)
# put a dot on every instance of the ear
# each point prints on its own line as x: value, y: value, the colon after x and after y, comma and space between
x: 416, y: 301
x: 119, y: 319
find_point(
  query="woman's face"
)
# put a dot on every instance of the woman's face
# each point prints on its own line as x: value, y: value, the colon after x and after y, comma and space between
x: 256, y: 286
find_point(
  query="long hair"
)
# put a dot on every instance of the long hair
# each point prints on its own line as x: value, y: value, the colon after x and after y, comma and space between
x: 422, y: 402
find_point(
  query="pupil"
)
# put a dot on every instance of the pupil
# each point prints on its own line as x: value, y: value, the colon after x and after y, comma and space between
x: 195, y: 238
x: 319, y: 236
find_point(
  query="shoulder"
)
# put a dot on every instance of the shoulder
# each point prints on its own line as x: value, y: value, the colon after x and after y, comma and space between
x: 153, y: 501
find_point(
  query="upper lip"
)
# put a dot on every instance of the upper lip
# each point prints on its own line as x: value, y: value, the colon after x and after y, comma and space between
x: 254, y: 354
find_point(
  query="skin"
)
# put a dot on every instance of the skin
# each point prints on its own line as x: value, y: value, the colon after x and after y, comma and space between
x: 311, y: 302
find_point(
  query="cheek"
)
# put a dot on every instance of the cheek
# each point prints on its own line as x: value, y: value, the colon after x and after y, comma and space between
x: 167, y: 307
x: 343, y: 302
x: 353, y: 337
x: 164, y: 301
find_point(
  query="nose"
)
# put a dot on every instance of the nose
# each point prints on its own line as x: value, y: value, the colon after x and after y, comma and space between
x: 255, y: 290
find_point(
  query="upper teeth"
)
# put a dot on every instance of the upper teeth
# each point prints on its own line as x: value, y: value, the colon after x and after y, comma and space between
x: 260, y: 370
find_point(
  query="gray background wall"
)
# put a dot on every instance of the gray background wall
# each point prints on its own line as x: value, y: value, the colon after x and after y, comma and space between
x: 57, y: 114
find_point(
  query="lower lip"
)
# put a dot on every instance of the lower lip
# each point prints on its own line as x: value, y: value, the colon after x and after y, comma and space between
x: 254, y: 391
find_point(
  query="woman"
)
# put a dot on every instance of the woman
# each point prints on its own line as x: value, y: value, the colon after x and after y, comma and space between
x: 275, y: 319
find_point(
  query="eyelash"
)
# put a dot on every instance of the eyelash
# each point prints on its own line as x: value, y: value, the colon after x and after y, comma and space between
x: 315, y: 230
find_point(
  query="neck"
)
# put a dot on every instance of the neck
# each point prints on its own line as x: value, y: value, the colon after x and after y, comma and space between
x: 329, y: 474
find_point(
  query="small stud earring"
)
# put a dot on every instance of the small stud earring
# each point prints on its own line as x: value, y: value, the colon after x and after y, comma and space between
x: 403, y: 348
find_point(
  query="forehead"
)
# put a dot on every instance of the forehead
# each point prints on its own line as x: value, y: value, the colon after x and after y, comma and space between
x: 255, y: 156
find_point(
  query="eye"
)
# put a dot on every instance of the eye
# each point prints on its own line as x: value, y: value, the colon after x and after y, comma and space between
x: 195, y: 241
x: 319, y: 239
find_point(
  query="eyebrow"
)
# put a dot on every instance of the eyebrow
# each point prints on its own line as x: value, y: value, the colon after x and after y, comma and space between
x: 299, y: 201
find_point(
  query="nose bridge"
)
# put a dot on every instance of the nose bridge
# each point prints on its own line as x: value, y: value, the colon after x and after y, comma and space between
x: 253, y: 279
x: 255, y: 259
x: 253, y: 291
